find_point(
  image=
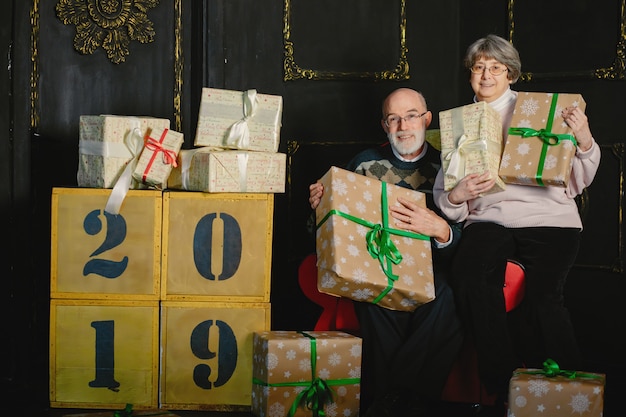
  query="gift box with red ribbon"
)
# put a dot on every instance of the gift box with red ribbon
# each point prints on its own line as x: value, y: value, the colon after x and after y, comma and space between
x: 158, y: 158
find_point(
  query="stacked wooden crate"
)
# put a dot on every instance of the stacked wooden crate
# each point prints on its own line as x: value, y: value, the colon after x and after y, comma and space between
x: 156, y: 305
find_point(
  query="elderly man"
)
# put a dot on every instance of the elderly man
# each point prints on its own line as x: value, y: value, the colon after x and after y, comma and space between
x: 407, y: 356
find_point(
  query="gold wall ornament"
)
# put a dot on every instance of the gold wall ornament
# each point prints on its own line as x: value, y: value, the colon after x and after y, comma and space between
x: 111, y: 24
x: 293, y: 71
x: 617, y: 71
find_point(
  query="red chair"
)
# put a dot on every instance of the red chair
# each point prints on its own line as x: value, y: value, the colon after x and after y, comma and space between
x: 463, y: 385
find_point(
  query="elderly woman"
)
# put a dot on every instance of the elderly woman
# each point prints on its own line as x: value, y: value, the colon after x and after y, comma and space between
x: 539, y: 226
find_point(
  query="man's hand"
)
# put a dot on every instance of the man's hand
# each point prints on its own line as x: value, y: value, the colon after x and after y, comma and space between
x: 316, y: 191
x: 470, y: 187
x: 417, y: 219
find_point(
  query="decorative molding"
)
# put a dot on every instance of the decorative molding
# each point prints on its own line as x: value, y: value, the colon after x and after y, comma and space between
x: 617, y: 71
x: 293, y: 71
x: 110, y: 24
x: 34, y: 72
x: 178, y: 64
x: 34, y: 66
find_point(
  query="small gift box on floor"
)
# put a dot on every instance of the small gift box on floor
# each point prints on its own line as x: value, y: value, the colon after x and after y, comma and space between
x: 217, y: 170
x: 360, y: 255
x: 302, y: 374
x: 239, y: 120
x: 471, y: 143
x: 158, y: 157
x: 556, y: 393
x: 540, y: 146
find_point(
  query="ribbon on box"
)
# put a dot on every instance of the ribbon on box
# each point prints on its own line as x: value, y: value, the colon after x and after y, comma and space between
x: 169, y: 156
x: 551, y: 369
x: 546, y: 136
x: 465, y: 145
x: 239, y: 133
x: 135, y: 143
x: 378, y: 241
x: 317, y: 392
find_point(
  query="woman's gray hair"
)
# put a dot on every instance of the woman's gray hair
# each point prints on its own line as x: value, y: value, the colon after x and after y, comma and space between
x: 495, y: 47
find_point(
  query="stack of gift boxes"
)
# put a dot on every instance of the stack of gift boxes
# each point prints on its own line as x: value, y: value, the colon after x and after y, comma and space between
x: 538, y: 150
x: 161, y: 258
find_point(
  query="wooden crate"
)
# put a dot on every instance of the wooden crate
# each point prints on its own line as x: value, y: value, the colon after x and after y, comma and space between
x: 104, y: 353
x: 96, y: 255
x: 207, y: 354
x: 216, y: 247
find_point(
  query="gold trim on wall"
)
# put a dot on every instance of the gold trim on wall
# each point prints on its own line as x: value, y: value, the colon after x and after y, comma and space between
x: 617, y: 71
x: 34, y: 71
x: 292, y: 71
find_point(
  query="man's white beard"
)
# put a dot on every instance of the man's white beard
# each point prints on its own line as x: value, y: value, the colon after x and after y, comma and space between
x: 407, y: 147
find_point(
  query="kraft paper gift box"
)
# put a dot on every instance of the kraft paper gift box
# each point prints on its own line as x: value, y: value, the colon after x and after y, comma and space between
x: 547, y: 392
x: 289, y: 367
x: 471, y: 143
x: 158, y: 157
x: 360, y: 253
x: 108, y: 143
x: 540, y: 147
x: 217, y: 170
x: 239, y: 120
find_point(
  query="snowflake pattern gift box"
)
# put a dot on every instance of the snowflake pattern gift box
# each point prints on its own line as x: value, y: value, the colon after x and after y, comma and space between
x: 532, y: 393
x: 540, y: 147
x: 303, y: 374
x: 361, y: 254
x: 471, y: 143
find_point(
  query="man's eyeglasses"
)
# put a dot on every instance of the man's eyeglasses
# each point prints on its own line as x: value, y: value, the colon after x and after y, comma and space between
x: 395, y: 120
x: 494, y: 69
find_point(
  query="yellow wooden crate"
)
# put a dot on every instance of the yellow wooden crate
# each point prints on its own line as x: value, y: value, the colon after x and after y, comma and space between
x: 216, y: 246
x: 104, y: 353
x: 96, y: 255
x: 207, y: 354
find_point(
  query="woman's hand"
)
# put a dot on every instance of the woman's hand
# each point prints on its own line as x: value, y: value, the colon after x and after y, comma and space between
x: 316, y: 191
x: 418, y: 219
x: 470, y: 187
x: 577, y: 121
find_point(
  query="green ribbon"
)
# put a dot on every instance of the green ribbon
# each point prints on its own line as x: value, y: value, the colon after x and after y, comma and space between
x: 318, y: 392
x: 378, y: 241
x: 545, y: 135
x: 551, y: 369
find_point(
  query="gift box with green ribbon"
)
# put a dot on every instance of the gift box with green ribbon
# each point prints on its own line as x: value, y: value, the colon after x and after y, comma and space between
x: 540, y: 147
x: 554, y: 392
x: 361, y: 254
x: 471, y: 143
x: 301, y: 374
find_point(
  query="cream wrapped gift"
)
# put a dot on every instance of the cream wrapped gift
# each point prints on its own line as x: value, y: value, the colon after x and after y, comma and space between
x: 471, y: 143
x: 303, y: 374
x: 359, y: 254
x: 540, y: 146
x: 217, y: 170
x: 108, y: 143
x: 556, y: 393
x: 239, y: 120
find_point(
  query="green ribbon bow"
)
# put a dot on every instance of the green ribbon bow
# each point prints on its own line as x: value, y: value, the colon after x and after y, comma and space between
x: 551, y: 369
x: 317, y: 392
x: 378, y: 241
x: 545, y: 135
